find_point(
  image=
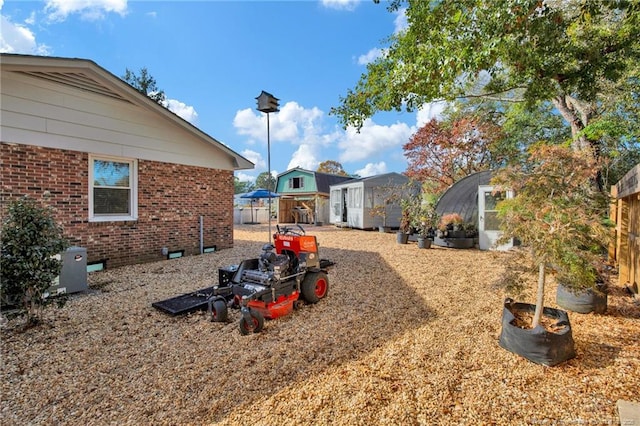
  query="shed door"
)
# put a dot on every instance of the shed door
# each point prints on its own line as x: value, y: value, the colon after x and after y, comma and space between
x: 336, y: 206
x: 488, y: 226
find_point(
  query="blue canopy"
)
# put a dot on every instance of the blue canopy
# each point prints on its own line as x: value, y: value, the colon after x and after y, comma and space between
x: 260, y: 193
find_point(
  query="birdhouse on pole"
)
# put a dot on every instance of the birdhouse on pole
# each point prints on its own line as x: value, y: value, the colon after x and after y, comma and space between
x: 267, y: 102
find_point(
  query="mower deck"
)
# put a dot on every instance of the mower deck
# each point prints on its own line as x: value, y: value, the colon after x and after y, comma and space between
x: 185, y: 303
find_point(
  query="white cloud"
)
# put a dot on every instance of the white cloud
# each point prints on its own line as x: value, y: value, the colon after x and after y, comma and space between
x: 248, y: 123
x: 296, y: 123
x: 17, y: 38
x: 401, y: 22
x: 293, y: 124
x: 306, y: 157
x: 370, y: 56
x: 243, y: 177
x: 430, y: 111
x: 372, y: 169
x: 182, y: 110
x: 31, y: 19
x: 373, y: 139
x: 91, y: 10
x: 340, y: 4
x: 256, y: 158
x: 311, y: 142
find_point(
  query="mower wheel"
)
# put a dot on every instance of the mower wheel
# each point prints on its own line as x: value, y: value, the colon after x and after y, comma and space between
x: 257, y: 323
x: 219, y: 311
x: 315, y: 286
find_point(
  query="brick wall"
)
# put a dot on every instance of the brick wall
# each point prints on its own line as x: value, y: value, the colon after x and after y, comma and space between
x: 171, y: 199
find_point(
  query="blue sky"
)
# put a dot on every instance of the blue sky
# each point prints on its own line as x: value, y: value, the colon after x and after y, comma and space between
x: 213, y: 58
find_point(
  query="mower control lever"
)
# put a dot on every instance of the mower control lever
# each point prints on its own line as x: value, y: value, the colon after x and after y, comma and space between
x: 286, y: 230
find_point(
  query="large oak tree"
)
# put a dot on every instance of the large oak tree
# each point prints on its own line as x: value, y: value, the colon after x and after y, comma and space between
x: 567, y: 52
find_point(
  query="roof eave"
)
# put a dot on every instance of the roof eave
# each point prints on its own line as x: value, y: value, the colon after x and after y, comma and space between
x: 120, y: 89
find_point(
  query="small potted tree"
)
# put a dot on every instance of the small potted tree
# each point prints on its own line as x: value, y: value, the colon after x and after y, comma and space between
x: 380, y: 210
x: 425, y: 221
x: 405, y: 223
x: 557, y: 215
x: 385, y: 197
x: 425, y: 235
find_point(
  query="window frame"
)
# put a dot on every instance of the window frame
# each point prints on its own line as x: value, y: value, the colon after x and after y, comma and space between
x: 299, y: 180
x: 133, y: 190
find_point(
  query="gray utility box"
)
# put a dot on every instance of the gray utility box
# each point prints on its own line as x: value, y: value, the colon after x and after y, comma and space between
x: 73, y: 275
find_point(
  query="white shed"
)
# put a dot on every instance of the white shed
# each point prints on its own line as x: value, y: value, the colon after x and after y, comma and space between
x: 354, y: 202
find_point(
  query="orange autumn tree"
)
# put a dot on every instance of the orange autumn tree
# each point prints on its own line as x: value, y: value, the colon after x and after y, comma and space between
x: 441, y: 153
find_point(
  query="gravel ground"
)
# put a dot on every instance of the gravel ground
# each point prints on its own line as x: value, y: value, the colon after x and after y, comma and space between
x: 405, y: 336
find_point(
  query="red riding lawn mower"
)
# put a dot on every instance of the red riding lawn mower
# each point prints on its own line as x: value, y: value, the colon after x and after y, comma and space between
x: 285, y: 276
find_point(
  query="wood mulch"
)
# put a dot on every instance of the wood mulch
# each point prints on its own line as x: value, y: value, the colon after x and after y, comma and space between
x: 405, y: 337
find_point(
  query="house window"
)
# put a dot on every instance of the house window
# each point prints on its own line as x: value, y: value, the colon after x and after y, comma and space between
x: 113, y: 186
x: 296, y: 182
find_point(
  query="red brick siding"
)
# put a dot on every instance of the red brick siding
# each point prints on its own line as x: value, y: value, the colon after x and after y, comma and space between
x: 171, y: 199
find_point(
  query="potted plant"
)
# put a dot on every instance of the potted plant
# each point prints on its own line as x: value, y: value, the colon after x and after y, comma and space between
x: 405, y: 223
x: 557, y: 215
x: 380, y: 210
x: 425, y: 221
x: 387, y: 198
x: 573, y: 296
x: 451, y: 232
x: 451, y: 225
x: 424, y: 242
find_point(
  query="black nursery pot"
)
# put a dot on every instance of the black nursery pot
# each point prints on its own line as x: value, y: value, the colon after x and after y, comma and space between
x: 537, y: 345
x: 402, y: 237
x: 459, y: 243
x: 582, y: 301
x: 424, y: 243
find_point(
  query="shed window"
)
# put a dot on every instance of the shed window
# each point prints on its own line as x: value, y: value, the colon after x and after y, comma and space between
x: 355, y: 197
x: 296, y: 182
x: 369, y: 196
x: 491, y: 220
x: 335, y: 201
x: 113, y: 186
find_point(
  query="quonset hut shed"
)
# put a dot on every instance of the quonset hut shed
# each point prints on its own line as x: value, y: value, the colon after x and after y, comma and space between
x: 462, y: 197
x: 474, y: 199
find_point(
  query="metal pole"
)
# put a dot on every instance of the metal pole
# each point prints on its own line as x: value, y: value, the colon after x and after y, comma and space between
x: 269, y: 176
x: 201, y: 234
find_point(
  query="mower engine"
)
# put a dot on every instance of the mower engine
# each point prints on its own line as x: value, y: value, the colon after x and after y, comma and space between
x: 271, y: 268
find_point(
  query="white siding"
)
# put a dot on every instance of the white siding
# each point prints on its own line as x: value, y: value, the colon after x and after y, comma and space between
x: 41, y: 113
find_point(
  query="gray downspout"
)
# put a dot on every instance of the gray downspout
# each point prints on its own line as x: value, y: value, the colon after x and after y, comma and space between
x: 201, y: 235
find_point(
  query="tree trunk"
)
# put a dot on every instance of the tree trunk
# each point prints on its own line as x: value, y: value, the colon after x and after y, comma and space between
x: 539, y: 296
x: 578, y: 114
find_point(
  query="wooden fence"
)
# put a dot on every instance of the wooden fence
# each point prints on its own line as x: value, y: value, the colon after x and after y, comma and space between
x: 625, y: 211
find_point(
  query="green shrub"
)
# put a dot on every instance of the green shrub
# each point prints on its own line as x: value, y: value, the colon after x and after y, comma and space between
x: 31, y: 239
